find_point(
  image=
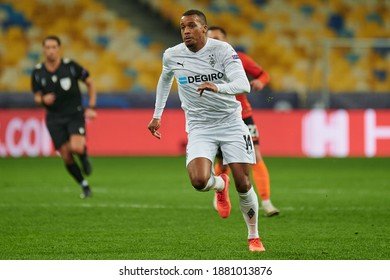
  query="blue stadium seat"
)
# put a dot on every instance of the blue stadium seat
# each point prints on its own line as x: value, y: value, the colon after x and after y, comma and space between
x: 336, y: 22
x: 14, y: 18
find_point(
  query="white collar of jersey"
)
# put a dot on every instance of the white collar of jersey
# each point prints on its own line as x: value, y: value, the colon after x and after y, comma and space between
x: 200, y: 51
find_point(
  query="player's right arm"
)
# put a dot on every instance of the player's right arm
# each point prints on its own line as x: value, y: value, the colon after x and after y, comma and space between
x: 162, y: 93
x: 153, y: 126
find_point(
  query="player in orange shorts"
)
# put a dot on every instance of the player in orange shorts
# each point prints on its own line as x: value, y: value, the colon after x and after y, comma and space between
x: 259, y: 170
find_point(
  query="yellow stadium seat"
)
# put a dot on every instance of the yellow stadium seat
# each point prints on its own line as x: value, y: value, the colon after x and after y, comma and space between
x: 288, y: 37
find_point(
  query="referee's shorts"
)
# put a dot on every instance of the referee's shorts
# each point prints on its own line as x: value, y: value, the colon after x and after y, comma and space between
x: 61, y: 127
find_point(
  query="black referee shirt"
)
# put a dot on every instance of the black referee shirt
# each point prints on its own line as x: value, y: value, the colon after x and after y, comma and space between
x: 63, y: 82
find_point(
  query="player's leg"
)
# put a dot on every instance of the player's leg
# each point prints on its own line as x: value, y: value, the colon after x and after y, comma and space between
x: 201, y: 151
x: 262, y: 182
x: 260, y: 172
x: 261, y: 176
x: 239, y: 154
x: 219, y: 168
x: 199, y: 171
x: 249, y: 204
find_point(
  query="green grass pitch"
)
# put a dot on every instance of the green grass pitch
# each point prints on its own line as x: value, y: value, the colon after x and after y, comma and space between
x: 144, y: 208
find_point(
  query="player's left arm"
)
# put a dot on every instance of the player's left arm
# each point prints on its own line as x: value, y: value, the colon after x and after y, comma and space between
x: 260, y: 76
x: 234, y: 71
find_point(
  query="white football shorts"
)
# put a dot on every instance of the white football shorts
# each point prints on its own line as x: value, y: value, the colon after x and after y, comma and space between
x: 234, y: 139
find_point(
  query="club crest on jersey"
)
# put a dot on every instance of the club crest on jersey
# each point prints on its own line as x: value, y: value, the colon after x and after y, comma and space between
x: 212, y: 60
x: 65, y: 83
x: 235, y: 56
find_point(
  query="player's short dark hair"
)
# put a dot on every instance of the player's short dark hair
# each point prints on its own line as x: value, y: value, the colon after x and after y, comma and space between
x: 214, y: 27
x: 51, y: 37
x: 200, y: 14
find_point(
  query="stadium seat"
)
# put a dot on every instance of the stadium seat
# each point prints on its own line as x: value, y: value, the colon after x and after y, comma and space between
x: 280, y: 35
x: 90, y: 34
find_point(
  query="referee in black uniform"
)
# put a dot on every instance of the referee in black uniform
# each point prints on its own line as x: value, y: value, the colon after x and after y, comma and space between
x: 55, y: 86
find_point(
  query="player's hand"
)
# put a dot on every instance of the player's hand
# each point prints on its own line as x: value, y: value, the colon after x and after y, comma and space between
x: 256, y: 85
x: 90, y: 113
x: 207, y: 86
x: 48, y: 98
x: 153, y: 126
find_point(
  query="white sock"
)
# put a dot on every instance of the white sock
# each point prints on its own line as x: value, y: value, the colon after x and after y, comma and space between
x: 214, y: 183
x: 249, y: 206
x: 266, y: 203
x: 84, y: 183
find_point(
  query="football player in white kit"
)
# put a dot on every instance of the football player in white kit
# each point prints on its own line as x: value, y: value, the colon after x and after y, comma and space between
x: 209, y: 74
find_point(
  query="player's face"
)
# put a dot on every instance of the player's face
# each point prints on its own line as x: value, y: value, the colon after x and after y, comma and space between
x: 216, y: 34
x: 193, y: 32
x: 51, y: 50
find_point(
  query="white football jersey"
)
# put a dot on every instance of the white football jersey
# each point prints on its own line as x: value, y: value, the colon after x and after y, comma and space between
x: 216, y: 62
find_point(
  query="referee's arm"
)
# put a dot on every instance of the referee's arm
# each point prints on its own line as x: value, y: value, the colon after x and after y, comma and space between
x: 44, y: 100
x: 90, y: 112
x: 91, y: 92
x: 38, y: 98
